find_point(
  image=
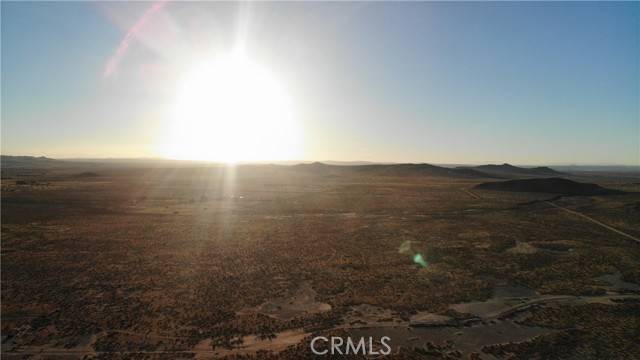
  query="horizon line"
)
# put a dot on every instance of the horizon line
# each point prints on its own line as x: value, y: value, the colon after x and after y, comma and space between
x: 326, y: 161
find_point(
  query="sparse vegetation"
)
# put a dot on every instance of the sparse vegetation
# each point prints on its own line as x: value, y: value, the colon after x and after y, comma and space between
x: 162, y: 259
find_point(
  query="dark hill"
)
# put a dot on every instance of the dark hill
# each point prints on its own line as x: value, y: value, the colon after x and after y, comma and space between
x: 86, y: 174
x: 549, y: 185
x: 318, y: 168
x: 392, y: 170
x: 420, y: 170
x: 508, y: 169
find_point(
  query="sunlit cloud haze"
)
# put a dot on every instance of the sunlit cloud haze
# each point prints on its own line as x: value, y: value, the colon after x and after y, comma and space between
x: 526, y: 83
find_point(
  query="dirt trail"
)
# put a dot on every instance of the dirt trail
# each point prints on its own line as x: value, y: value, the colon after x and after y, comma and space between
x: 595, y: 221
x: 472, y: 194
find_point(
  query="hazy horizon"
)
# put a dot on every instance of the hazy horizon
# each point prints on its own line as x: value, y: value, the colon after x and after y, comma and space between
x: 442, y: 83
x: 326, y: 161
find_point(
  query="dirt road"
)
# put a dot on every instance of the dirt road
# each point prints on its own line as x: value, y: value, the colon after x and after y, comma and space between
x: 595, y: 221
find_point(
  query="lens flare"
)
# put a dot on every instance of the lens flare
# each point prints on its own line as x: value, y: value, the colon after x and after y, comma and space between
x: 407, y: 249
x: 418, y: 259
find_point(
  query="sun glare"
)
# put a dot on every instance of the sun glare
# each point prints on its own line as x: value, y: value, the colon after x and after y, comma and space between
x: 228, y: 110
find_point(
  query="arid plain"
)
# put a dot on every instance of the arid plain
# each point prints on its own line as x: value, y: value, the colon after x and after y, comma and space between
x: 194, y: 261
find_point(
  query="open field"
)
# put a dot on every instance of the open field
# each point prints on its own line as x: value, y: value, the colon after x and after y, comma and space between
x: 206, y: 262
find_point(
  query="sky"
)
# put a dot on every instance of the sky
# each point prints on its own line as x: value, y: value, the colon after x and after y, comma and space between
x: 464, y: 83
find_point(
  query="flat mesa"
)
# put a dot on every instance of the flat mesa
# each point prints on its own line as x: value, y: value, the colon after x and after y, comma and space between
x: 550, y: 186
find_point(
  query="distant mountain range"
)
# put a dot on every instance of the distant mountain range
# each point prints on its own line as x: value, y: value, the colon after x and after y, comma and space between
x: 8, y: 161
x: 504, y: 171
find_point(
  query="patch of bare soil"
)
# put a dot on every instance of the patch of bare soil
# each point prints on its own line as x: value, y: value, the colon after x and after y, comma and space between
x: 301, y: 302
x: 251, y: 344
x: 508, y: 301
x: 617, y: 284
x: 523, y: 248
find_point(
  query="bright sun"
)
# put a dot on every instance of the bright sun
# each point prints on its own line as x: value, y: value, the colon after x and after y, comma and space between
x: 230, y: 109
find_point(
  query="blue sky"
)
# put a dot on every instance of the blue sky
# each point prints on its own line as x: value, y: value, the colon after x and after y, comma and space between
x: 526, y: 83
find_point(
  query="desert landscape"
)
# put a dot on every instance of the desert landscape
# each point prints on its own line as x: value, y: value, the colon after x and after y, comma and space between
x: 320, y: 180
x: 171, y: 260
